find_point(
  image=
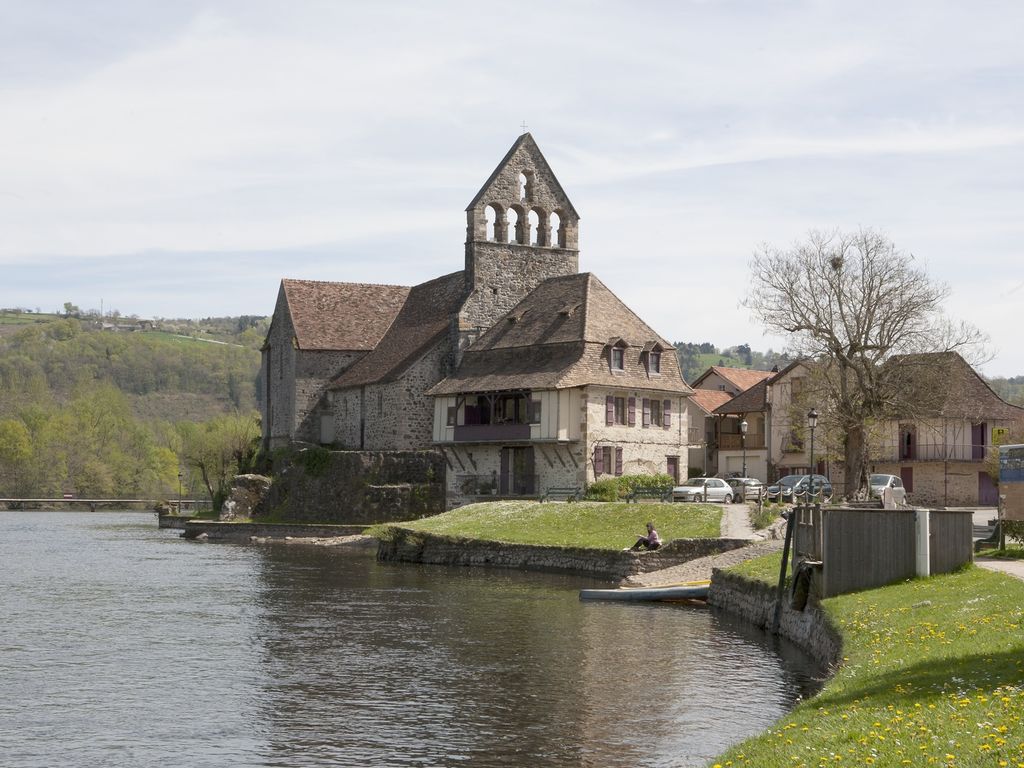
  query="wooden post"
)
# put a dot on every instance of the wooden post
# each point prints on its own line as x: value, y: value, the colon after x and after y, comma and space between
x: 790, y: 525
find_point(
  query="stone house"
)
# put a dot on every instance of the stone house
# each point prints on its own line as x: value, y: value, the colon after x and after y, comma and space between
x: 568, y: 387
x: 939, y: 451
x: 523, y: 371
x: 318, y: 330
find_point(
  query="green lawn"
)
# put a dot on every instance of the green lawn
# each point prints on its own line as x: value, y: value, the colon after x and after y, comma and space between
x: 933, y: 675
x: 1010, y: 553
x: 593, y: 524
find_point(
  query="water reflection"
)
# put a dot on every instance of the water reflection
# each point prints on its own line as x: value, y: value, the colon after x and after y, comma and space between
x: 122, y: 645
x: 421, y: 665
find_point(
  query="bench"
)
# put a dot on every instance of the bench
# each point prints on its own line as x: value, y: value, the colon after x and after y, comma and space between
x: 566, y: 494
x: 662, y: 494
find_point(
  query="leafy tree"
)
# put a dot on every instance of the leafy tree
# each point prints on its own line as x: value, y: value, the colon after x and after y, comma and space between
x: 851, y: 302
x: 219, y: 449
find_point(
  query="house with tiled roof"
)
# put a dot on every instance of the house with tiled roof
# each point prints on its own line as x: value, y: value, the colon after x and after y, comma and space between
x: 732, y: 380
x: 517, y: 367
x: 569, y: 387
x: 940, y: 450
x: 318, y: 330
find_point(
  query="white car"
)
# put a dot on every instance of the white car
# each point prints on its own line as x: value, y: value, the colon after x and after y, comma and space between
x: 703, y: 489
x: 878, y: 483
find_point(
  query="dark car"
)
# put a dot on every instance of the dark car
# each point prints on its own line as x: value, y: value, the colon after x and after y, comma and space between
x: 793, y: 488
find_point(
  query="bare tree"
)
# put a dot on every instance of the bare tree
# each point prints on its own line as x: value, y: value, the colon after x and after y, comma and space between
x: 855, y: 306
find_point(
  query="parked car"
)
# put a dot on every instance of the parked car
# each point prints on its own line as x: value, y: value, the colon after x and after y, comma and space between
x: 703, y: 489
x: 744, y: 488
x: 795, y: 487
x: 878, y: 483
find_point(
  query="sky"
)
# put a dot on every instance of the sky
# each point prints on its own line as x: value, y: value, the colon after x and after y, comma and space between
x: 179, y: 159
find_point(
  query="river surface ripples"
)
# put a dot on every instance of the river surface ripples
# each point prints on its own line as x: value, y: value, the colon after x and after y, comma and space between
x: 122, y: 645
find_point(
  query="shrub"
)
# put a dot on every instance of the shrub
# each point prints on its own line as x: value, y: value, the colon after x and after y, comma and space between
x: 603, y: 490
x: 615, y: 488
x: 314, y: 460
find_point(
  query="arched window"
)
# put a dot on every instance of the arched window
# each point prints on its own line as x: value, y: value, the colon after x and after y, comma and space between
x: 512, y: 217
x: 534, y: 220
x: 524, y: 186
x: 491, y: 216
x: 555, y: 227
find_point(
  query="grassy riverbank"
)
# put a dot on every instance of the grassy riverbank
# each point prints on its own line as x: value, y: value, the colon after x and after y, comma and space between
x: 592, y: 524
x: 933, y: 675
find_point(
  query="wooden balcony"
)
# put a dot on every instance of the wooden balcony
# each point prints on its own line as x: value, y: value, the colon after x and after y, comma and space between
x: 491, y: 433
x: 730, y: 442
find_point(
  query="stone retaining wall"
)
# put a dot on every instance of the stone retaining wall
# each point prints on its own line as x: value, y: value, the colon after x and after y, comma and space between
x: 314, y: 485
x: 243, y: 532
x: 754, y: 601
x: 405, y: 545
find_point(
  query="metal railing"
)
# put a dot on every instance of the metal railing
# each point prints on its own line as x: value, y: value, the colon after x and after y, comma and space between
x: 490, y: 485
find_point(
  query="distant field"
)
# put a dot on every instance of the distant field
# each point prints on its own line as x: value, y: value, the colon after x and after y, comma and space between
x: 26, y: 318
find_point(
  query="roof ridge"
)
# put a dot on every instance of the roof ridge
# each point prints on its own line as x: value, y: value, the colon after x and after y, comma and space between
x: 340, y: 282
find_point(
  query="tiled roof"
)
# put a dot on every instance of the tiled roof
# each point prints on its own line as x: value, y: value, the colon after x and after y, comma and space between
x: 747, y: 401
x: 557, y: 337
x: 944, y: 384
x: 341, y: 316
x: 422, y: 321
x: 742, y: 378
x: 710, y: 399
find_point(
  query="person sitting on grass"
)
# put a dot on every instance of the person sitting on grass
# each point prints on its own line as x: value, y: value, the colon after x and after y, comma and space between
x: 649, y: 542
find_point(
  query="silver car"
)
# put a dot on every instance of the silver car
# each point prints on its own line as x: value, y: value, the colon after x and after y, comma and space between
x: 703, y: 489
x: 744, y: 488
x: 878, y: 483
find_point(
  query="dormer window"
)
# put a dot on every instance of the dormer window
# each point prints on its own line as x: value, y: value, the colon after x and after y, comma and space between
x: 652, y: 357
x: 618, y: 359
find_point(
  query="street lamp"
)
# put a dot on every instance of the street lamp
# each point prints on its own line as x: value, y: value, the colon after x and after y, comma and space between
x: 179, y: 492
x: 812, y: 422
x: 743, y: 444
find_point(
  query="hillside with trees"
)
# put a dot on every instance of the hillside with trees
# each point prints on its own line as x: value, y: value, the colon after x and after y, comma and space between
x: 696, y: 358
x: 116, y: 407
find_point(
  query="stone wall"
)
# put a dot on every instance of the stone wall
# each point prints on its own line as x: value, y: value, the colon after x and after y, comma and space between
x: 320, y: 486
x: 314, y: 370
x: 939, y: 484
x: 754, y: 601
x: 277, y: 369
x: 404, y: 545
x: 645, y: 450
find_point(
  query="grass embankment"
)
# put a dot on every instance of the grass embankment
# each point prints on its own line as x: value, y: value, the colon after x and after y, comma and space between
x: 1010, y: 553
x: 591, y: 524
x: 933, y: 675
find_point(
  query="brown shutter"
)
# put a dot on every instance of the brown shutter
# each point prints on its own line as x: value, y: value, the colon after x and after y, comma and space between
x: 632, y: 411
x: 668, y: 413
x: 503, y: 480
x: 647, y: 412
x: 618, y: 461
x: 598, y: 461
x: 609, y: 410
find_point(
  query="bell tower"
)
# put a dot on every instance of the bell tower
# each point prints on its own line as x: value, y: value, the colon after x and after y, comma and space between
x: 521, y: 229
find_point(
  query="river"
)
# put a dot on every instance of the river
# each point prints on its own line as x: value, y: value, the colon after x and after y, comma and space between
x: 124, y: 645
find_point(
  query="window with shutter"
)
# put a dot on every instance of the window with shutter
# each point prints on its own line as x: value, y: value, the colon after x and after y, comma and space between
x: 620, y: 410
x: 452, y: 411
x: 618, y: 462
x: 609, y: 410
x: 647, y: 412
x: 668, y: 413
x: 598, y: 461
x: 656, y: 413
x: 535, y: 411
x: 632, y: 412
